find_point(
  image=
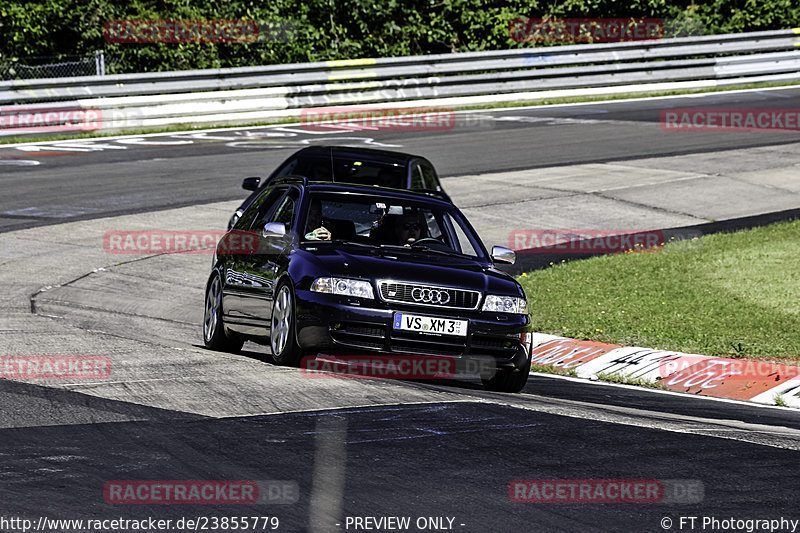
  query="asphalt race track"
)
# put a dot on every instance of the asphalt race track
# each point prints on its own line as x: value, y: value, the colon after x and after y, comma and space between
x: 143, y: 174
x: 444, y: 450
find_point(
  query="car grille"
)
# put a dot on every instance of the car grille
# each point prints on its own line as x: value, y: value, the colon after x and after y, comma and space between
x: 428, y: 295
x: 494, y: 346
x: 361, y: 335
x: 479, y: 346
x: 412, y: 343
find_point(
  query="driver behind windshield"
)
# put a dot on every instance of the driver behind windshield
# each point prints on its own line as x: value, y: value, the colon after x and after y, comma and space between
x: 315, y: 227
x: 408, y: 228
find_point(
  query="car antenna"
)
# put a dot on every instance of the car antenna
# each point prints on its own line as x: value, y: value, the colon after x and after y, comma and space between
x: 333, y: 176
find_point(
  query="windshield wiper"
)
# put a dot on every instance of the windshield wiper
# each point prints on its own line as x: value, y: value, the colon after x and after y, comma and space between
x: 354, y: 243
x: 436, y: 250
x: 418, y: 249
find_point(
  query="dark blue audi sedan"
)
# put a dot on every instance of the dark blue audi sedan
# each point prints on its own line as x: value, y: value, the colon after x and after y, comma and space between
x: 351, y: 269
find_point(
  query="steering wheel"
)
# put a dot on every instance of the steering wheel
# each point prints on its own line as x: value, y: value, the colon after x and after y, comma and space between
x: 427, y: 239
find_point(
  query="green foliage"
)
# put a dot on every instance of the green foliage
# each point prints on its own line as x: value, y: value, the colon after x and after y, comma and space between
x: 340, y: 29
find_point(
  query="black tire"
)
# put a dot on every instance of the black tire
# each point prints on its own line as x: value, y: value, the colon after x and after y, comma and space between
x: 508, y: 379
x: 214, y: 335
x: 285, y: 350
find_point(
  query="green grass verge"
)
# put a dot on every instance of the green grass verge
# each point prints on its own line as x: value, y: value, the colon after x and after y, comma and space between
x: 496, y: 105
x: 614, y: 378
x: 729, y: 294
x: 548, y: 369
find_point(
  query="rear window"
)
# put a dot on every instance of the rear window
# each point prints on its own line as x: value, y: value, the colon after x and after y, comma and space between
x: 352, y: 170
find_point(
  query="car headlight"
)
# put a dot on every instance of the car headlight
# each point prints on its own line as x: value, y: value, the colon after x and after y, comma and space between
x: 505, y: 304
x: 343, y: 286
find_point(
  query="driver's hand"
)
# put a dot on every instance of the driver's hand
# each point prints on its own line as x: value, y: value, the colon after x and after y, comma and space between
x: 323, y: 234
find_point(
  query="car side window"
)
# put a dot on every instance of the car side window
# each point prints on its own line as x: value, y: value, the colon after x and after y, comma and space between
x: 431, y: 179
x: 418, y: 180
x: 314, y: 168
x: 263, y: 203
x: 262, y: 213
x: 287, y: 168
x: 285, y: 212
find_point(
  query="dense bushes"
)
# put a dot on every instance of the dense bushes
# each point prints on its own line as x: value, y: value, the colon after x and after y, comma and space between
x: 338, y: 29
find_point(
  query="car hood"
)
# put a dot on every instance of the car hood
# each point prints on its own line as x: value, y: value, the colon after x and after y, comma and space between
x: 420, y: 267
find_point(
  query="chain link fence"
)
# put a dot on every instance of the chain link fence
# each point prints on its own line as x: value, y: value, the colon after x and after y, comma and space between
x: 32, y: 68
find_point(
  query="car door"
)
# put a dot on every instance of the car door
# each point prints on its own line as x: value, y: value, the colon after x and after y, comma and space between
x: 269, y: 259
x: 239, y: 276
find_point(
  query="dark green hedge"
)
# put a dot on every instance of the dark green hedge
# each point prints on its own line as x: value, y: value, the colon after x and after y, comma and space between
x: 339, y: 29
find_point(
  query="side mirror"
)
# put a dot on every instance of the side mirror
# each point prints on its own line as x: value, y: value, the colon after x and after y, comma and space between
x: 251, y: 184
x: 273, y: 229
x: 503, y: 255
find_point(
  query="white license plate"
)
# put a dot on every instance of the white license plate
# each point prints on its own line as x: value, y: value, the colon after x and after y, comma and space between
x: 429, y: 324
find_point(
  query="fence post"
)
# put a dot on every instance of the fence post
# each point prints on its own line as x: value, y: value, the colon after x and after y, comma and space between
x: 100, y: 63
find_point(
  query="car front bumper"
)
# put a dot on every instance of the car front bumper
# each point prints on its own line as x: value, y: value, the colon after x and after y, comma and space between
x: 342, y: 325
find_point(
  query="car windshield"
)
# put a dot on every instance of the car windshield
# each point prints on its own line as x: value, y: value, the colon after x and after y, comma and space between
x: 352, y: 170
x: 386, y: 222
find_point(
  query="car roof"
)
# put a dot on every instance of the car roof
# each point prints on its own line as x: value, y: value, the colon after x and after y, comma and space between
x: 344, y: 187
x: 366, y: 153
x: 373, y: 190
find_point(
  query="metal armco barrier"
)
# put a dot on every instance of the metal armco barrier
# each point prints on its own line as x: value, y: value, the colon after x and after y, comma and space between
x: 253, y: 94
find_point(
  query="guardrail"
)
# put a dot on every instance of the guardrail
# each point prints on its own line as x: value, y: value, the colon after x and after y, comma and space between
x: 252, y: 94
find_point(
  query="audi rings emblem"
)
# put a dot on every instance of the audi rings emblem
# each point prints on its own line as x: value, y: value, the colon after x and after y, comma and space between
x: 430, y: 296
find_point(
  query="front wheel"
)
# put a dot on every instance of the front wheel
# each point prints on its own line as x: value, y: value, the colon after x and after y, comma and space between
x: 509, y: 379
x: 285, y: 350
x: 214, y: 335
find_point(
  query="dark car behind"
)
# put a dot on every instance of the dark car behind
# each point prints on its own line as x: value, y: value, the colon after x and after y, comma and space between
x: 344, y: 164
